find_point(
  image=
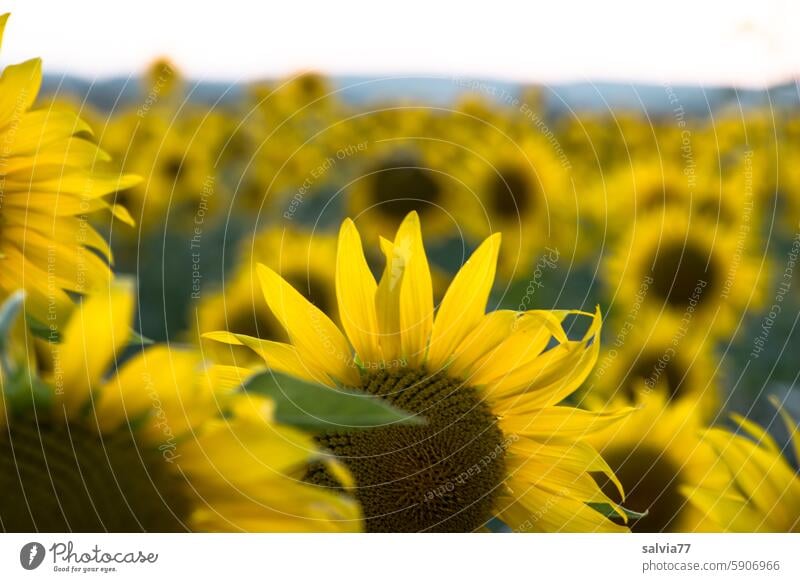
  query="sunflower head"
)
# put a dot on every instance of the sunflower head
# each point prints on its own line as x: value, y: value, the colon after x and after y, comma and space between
x: 688, y: 273
x: 161, y: 80
x: 755, y: 487
x: 655, y: 452
x: 487, y: 385
x: 396, y: 181
x: 155, y: 441
x: 52, y: 176
x: 651, y: 357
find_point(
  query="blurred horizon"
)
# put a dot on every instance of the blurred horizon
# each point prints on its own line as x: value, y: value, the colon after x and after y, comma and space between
x: 558, y: 98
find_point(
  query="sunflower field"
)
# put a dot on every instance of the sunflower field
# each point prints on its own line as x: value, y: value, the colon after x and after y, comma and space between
x: 325, y: 304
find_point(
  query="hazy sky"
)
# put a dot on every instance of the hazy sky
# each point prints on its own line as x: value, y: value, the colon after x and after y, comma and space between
x: 741, y: 42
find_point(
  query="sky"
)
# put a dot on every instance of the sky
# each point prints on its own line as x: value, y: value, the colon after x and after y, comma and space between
x: 741, y: 43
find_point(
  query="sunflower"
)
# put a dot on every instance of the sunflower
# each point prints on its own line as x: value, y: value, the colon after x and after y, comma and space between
x: 697, y: 277
x: 758, y: 490
x: 297, y: 149
x: 645, y: 187
x: 300, y: 257
x: 154, y: 443
x: 520, y: 189
x: 648, y: 356
x: 177, y: 150
x: 307, y: 97
x: 405, y: 175
x: 655, y: 452
x: 162, y: 80
x: 495, y: 442
x: 789, y: 185
x: 476, y: 122
x: 49, y: 180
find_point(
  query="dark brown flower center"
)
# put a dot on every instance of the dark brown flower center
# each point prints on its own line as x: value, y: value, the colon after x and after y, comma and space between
x: 512, y: 192
x: 659, y: 198
x: 441, y: 476
x: 683, y: 275
x: 654, y: 370
x: 402, y: 185
x: 64, y: 478
x: 651, y: 482
x: 173, y: 168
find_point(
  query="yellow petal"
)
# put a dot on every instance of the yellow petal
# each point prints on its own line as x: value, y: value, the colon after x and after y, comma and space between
x: 97, y: 331
x: 280, y: 357
x: 549, y: 512
x: 554, y: 479
x: 3, y: 21
x: 577, y: 456
x: 245, y: 448
x: 524, y: 342
x: 40, y: 128
x: 763, y: 475
x: 45, y: 302
x: 416, y: 291
x: 227, y: 379
x: 143, y: 384
x: 19, y: 86
x: 73, y: 268
x: 315, y: 336
x: 387, y: 303
x: 464, y: 304
x: 729, y: 510
x: 551, y: 377
x: 355, y: 291
x: 85, y: 185
x: 66, y: 230
x: 491, y: 331
x: 51, y: 160
x: 559, y: 423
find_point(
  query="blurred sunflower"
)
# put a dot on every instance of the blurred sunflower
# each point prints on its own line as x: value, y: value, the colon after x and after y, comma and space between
x: 290, y: 162
x: 400, y: 119
x: 654, y: 358
x: 645, y: 187
x: 655, y: 452
x: 789, y: 185
x: 495, y: 443
x: 657, y: 185
x: 162, y: 80
x: 49, y: 182
x: 519, y: 189
x: 398, y: 177
x: 156, y: 443
x: 177, y: 151
x: 689, y: 273
x: 303, y: 99
x: 477, y: 122
x: 302, y: 258
x: 757, y: 489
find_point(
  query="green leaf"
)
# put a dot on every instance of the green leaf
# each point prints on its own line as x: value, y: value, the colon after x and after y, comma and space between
x: 22, y: 388
x: 9, y: 311
x: 42, y: 330
x: 24, y: 391
x: 138, y: 339
x: 317, y: 408
x: 610, y: 512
